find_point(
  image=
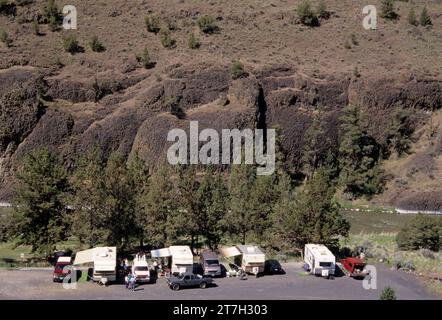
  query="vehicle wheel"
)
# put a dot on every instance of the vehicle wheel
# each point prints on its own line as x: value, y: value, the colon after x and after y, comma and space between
x: 175, y: 287
x: 203, y: 285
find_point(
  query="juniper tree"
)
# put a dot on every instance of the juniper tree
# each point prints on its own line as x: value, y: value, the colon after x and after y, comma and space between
x: 190, y: 216
x: 421, y: 232
x: 387, y: 10
x: 314, y: 216
x: 400, y: 130
x: 160, y: 207
x: 412, y: 17
x: 213, y: 195
x: 89, y: 218
x: 139, y: 179
x: 313, y: 146
x: 40, y: 201
x: 119, y: 202
x: 425, y: 19
x: 239, y: 218
x: 263, y: 199
x: 359, y: 156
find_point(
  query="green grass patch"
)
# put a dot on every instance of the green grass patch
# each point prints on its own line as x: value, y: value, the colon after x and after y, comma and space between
x: 376, y: 222
x: 383, y: 246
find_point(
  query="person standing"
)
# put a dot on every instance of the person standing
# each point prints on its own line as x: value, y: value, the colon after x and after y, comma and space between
x: 133, y: 280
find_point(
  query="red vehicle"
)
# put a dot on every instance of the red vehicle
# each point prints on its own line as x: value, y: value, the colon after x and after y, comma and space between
x: 354, y: 267
x: 62, y: 269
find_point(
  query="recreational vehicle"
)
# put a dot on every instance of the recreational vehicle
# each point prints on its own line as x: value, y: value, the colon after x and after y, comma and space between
x: 104, y: 261
x: 179, y: 258
x: 319, y: 260
x: 250, y: 258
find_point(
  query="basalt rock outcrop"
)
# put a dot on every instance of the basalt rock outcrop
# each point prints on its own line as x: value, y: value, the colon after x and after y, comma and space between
x: 134, y: 112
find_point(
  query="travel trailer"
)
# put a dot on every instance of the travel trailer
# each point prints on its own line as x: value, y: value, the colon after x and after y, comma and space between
x: 250, y: 258
x: 179, y: 258
x: 104, y: 261
x: 140, y: 269
x: 319, y: 260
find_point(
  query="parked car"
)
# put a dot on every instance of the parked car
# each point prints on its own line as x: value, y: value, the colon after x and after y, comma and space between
x: 273, y: 267
x: 185, y: 280
x: 210, y: 264
x: 62, y: 269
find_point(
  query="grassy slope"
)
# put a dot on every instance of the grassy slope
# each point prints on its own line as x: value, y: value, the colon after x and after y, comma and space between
x: 383, y: 246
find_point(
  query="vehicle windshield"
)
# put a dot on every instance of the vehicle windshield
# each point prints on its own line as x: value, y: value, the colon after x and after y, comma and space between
x: 212, y: 262
x: 143, y: 268
x: 60, y: 267
x: 325, y: 264
x: 180, y: 276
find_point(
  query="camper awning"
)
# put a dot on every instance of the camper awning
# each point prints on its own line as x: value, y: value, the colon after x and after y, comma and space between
x: 160, y: 253
x: 230, y: 252
x: 82, y: 257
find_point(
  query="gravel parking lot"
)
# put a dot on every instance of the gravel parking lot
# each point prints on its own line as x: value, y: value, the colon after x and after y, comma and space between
x: 37, y: 284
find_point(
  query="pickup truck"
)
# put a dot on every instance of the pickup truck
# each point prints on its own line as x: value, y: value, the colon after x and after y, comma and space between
x: 188, y: 280
x: 62, y: 269
x: 354, y: 267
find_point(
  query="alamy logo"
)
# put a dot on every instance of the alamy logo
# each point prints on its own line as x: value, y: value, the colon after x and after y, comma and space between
x: 187, y: 150
x: 70, y: 18
x: 370, y: 282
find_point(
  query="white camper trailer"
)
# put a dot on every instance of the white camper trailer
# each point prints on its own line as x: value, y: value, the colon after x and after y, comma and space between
x: 319, y: 260
x: 250, y: 258
x: 180, y: 258
x: 104, y: 261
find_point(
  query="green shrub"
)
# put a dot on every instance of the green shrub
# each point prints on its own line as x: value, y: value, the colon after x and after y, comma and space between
x: 412, y: 17
x: 152, y: 24
x: 425, y: 19
x: 237, y: 70
x: 387, y: 10
x: 7, y: 8
x: 174, y: 108
x: 52, y: 15
x: 306, y: 14
x: 144, y: 58
x: 70, y: 44
x: 172, y: 25
x: 4, y: 37
x: 166, y: 39
x: 388, y: 294
x: 22, y: 3
x: 193, y: 42
x: 354, y: 40
x: 207, y: 24
x: 54, y: 23
x: 96, y: 45
x: 35, y: 28
x: 422, y: 232
x: 322, y: 10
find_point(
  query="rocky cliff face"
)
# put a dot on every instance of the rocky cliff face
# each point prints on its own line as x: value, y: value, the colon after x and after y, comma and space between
x: 135, y: 115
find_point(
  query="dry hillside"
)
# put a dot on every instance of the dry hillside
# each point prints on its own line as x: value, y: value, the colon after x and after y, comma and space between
x: 294, y: 71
